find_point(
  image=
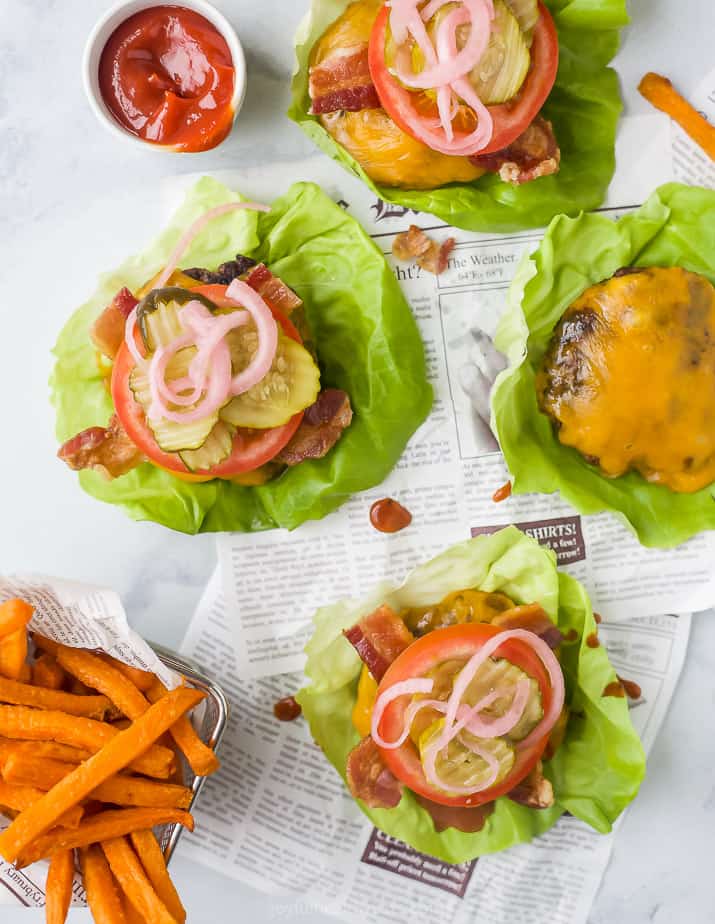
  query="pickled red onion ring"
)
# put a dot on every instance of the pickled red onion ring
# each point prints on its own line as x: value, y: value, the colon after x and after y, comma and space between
x: 459, y: 716
x: 402, y: 688
x: 267, y: 329
x: 212, y: 374
x: 129, y: 328
x: 445, y: 68
x: 429, y: 760
x: 503, y: 724
x: 444, y: 106
x: 452, y: 64
x: 196, y: 227
x: 548, y: 659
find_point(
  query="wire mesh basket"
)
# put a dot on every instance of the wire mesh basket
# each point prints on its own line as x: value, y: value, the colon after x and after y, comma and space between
x: 209, y: 721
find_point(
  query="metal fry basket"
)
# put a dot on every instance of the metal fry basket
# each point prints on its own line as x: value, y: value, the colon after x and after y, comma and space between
x: 209, y: 721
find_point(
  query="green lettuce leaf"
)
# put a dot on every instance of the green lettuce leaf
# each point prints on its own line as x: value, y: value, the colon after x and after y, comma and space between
x: 595, y: 773
x: 367, y: 342
x: 675, y: 227
x: 583, y: 105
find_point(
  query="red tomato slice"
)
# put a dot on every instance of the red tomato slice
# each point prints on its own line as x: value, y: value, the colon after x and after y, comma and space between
x: 251, y: 448
x: 510, y: 119
x: 454, y: 642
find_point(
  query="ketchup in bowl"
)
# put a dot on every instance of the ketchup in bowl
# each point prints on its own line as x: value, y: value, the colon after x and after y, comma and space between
x: 167, y: 76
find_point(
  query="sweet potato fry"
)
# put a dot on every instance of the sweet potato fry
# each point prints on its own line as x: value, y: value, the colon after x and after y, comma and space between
x: 130, y: 875
x: 46, y: 672
x: 152, y: 859
x: 130, y: 912
x: 124, y: 748
x: 42, y: 724
x: 18, y: 798
x: 129, y: 790
x: 26, y: 770
x: 7, y: 747
x: 103, y: 896
x: 142, y: 680
x: 24, y: 694
x: 13, y: 653
x: 100, y: 827
x: 14, y: 615
x: 201, y: 758
x: 49, y: 750
x: 58, y: 891
x: 661, y: 93
x: 97, y: 674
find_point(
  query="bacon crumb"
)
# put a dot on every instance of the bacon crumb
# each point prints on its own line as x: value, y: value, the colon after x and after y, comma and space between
x: 107, y: 332
x: 533, y: 154
x: 369, y: 779
x: 414, y: 244
x: 107, y: 450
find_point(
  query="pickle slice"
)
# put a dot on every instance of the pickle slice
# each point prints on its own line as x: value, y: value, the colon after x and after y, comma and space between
x: 526, y: 13
x: 458, y: 765
x: 216, y: 448
x: 503, y: 67
x: 291, y: 384
x: 158, y: 314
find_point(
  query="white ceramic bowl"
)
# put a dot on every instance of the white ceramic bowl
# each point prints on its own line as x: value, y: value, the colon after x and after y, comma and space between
x: 114, y: 17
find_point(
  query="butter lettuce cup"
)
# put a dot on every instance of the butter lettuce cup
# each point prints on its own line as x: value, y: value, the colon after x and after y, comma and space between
x: 493, y: 116
x: 609, y: 396
x: 253, y: 368
x: 465, y: 708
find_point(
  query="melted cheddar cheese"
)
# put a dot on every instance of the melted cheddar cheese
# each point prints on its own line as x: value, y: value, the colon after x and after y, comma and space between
x: 629, y: 377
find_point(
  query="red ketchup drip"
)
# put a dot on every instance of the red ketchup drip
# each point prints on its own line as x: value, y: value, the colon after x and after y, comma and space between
x: 597, y: 617
x: 571, y: 635
x: 287, y: 709
x: 614, y: 688
x: 592, y: 640
x: 502, y: 493
x: 633, y: 690
x: 167, y: 75
x: 389, y: 516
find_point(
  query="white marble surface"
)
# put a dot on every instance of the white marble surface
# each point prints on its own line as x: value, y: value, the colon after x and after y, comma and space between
x: 73, y: 201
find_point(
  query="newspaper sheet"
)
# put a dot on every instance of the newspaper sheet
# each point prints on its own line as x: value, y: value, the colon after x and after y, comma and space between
x: 288, y: 826
x: 81, y: 616
x: 452, y: 465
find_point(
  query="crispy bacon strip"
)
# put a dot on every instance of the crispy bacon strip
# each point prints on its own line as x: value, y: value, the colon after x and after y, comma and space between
x: 414, y: 244
x: 532, y: 617
x: 369, y: 779
x: 322, y: 426
x: 107, y: 332
x: 273, y: 289
x: 469, y: 820
x: 343, y: 81
x: 535, y: 153
x: 107, y: 450
x: 379, y: 638
x: 534, y: 791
